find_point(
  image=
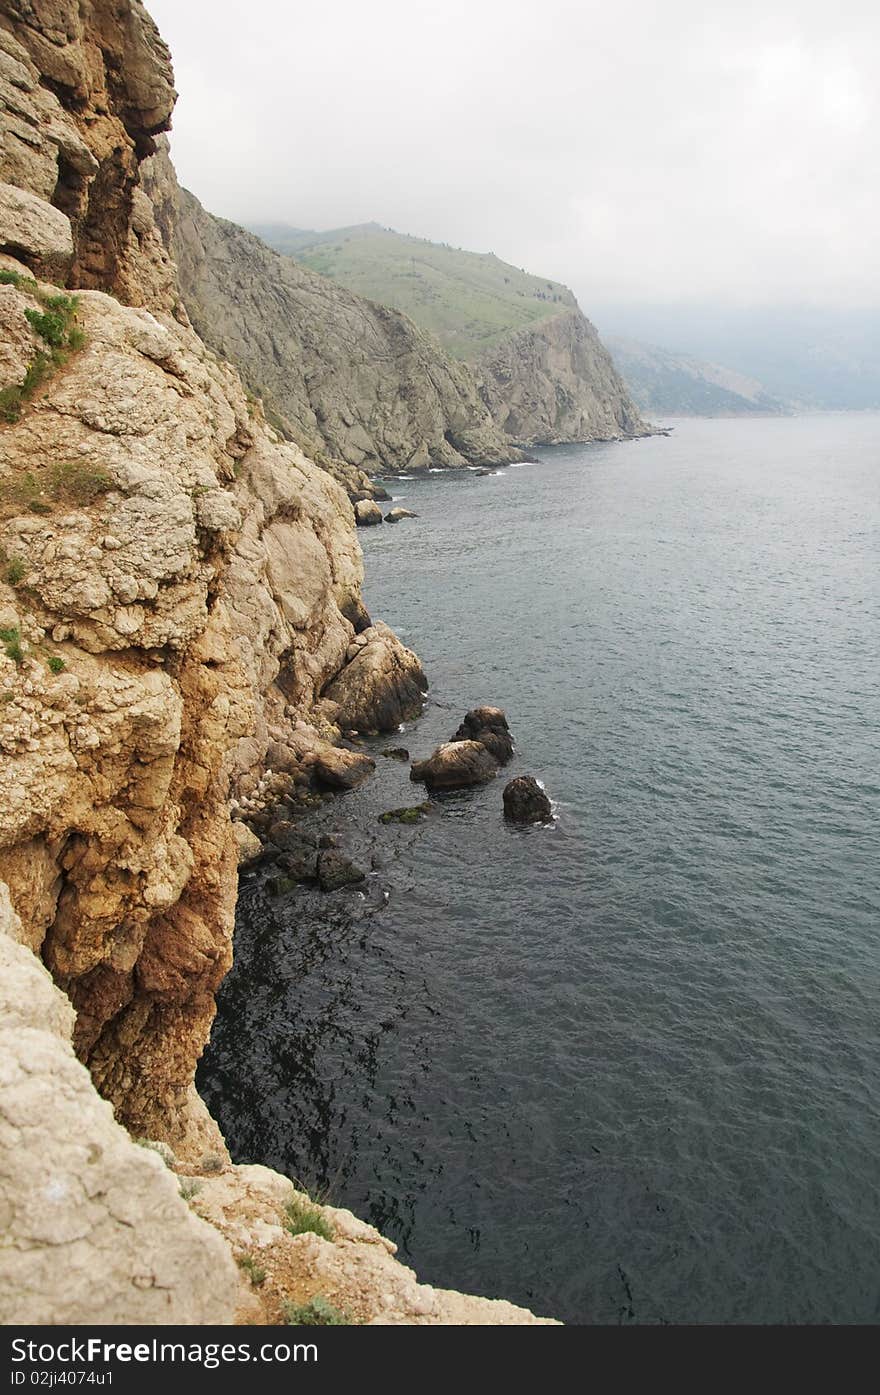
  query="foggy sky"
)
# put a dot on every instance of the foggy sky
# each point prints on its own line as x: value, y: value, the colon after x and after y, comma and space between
x: 714, y: 150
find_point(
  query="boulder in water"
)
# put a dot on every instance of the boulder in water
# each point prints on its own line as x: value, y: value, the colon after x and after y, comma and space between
x: 455, y: 765
x: 525, y: 801
x: 367, y: 513
x: 395, y: 515
x: 487, y: 725
x: 340, y: 769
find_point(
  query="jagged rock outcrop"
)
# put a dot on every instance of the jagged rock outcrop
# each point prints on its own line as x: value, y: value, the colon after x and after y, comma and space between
x: 354, y: 383
x: 381, y: 686
x: 557, y: 382
x: 83, y: 91
x: 487, y: 725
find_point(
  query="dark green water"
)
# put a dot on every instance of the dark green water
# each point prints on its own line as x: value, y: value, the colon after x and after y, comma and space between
x: 628, y: 1068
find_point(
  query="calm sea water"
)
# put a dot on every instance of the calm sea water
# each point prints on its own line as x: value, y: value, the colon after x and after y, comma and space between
x: 626, y: 1069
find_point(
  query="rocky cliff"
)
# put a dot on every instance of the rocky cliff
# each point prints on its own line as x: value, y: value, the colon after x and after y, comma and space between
x: 180, y: 624
x: 556, y: 382
x: 544, y: 373
x: 354, y: 383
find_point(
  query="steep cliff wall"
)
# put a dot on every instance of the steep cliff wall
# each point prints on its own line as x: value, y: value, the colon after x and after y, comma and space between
x: 556, y: 382
x: 177, y: 589
x: 355, y: 384
x: 83, y: 90
x: 545, y: 374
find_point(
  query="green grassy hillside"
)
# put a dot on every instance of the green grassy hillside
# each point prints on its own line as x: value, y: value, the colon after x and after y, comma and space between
x: 470, y: 301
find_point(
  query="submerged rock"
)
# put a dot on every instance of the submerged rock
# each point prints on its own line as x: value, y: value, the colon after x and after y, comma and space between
x: 455, y: 765
x: 488, y: 725
x: 525, y: 801
x: 395, y: 515
x: 367, y: 513
x: 295, y: 851
x: 335, y: 871
x: 412, y: 814
x: 395, y: 753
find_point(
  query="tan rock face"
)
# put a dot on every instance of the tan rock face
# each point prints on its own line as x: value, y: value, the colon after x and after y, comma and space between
x: 83, y: 89
x: 181, y: 588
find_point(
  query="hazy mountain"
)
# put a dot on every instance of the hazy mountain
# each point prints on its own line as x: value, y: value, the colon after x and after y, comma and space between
x: 811, y: 358
x: 669, y: 384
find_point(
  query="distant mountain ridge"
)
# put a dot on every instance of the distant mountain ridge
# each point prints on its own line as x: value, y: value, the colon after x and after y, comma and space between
x: 672, y: 384
x: 538, y: 362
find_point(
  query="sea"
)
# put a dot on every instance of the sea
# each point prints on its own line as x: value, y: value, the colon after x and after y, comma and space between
x: 624, y: 1068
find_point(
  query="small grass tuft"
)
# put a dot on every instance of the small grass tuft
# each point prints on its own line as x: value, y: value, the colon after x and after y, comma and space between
x: 16, y: 571
x: 255, y: 1272
x: 318, y: 1312
x: 15, y: 278
x: 11, y: 640
x: 75, y: 483
x: 189, y: 1187
x: 56, y: 664
x: 49, y: 324
x: 56, y: 325
x: 305, y: 1216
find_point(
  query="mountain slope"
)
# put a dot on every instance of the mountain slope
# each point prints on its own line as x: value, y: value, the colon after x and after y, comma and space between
x: 358, y: 386
x: 673, y: 384
x: 470, y: 301
x: 542, y: 369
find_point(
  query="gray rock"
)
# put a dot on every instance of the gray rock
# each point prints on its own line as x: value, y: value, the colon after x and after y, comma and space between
x: 357, y: 385
x: 395, y: 515
x: 295, y: 851
x: 335, y: 871
x: 526, y: 802
x: 557, y: 382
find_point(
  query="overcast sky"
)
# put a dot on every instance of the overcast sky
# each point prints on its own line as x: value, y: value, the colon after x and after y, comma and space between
x: 703, y: 150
